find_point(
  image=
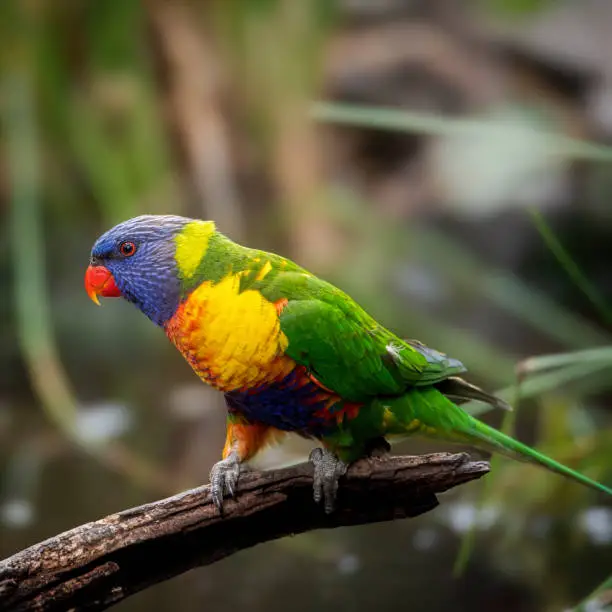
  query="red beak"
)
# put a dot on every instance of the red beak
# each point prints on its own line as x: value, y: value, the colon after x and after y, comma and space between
x: 99, y: 281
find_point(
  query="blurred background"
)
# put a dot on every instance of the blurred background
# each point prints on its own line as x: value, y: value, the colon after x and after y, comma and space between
x: 444, y: 162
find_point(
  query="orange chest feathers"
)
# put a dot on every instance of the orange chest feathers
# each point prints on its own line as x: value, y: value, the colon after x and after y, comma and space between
x: 232, y: 340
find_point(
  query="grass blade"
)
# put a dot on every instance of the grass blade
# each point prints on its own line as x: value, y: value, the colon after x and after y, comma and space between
x: 399, y: 120
x: 570, y: 266
x: 600, y: 600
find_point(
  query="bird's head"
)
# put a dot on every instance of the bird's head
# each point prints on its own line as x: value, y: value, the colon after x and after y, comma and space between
x: 148, y: 260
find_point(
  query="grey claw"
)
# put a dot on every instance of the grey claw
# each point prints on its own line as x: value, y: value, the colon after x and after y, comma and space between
x: 223, y: 479
x: 328, y: 469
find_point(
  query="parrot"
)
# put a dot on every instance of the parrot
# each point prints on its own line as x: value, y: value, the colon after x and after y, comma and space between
x: 292, y: 354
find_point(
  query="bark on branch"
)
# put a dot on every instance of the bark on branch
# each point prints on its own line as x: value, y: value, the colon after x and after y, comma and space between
x: 96, y: 565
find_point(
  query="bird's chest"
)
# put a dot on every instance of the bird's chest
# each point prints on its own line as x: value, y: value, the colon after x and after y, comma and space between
x: 232, y: 339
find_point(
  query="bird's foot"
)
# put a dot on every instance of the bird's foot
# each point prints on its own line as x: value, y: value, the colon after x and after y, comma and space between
x: 223, y: 478
x: 327, y: 471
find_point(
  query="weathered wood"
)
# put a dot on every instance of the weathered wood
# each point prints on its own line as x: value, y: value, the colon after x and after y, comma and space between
x: 95, y: 565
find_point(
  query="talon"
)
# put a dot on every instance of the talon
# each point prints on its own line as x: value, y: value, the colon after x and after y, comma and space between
x: 327, y: 471
x: 223, y: 479
x: 316, y: 456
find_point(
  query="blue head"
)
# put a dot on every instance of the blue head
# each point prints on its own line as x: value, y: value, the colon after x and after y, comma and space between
x: 137, y: 260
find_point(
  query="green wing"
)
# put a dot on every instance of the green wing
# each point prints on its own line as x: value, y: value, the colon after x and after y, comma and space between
x: 344, y: 347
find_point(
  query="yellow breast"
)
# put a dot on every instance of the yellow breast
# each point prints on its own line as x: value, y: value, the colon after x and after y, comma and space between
x: 232, y: 340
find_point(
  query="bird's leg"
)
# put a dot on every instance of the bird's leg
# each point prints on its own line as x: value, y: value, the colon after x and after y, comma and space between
x: 224, y: 477
x: 242, y: 442
x: 327, y: 471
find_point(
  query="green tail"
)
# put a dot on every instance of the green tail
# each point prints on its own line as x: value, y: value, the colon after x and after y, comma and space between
x: 428, y: 412
x: 506, y: 445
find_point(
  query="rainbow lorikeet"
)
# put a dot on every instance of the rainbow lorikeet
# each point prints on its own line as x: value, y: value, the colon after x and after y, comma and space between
x: 291, y: 352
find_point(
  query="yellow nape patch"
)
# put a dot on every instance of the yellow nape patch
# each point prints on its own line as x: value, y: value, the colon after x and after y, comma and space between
x: 232, y: 340
x: 191, y: 246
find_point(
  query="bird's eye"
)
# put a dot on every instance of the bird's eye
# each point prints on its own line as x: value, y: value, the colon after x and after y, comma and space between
x: 127, y: 249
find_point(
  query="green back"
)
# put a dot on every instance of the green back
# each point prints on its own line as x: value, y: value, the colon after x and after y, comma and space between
x: 343, y: 346
x: 330, y: 334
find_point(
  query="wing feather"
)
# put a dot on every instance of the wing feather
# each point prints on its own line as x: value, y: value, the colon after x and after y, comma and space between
x: 344, y: 348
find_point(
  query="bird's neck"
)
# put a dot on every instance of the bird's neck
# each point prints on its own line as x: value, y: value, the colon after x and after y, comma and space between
x: 222, y: 258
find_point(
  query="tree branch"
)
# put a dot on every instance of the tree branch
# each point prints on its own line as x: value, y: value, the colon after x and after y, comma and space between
x: 96, y: 565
